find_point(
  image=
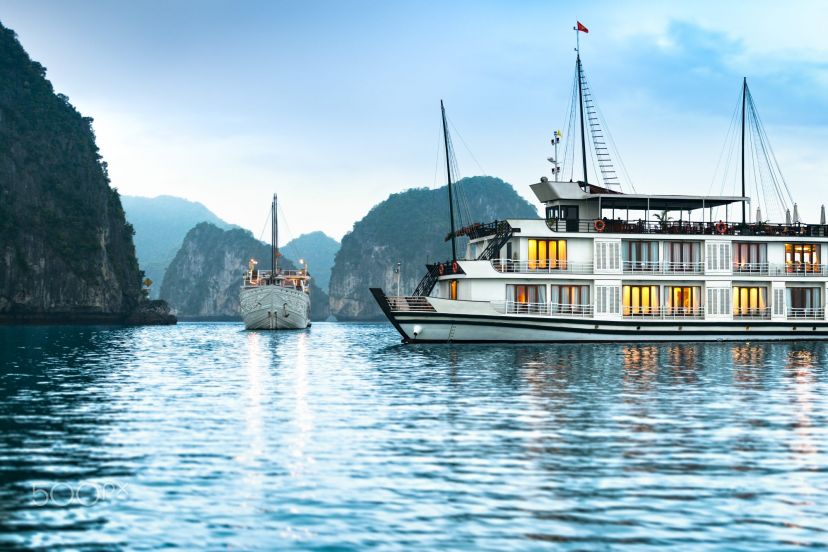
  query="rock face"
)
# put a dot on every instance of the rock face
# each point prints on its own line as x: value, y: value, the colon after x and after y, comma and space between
x: 410, y: 227
x: 160, y: 226
x: 319, y: 251
x: 151, y: 313
x: 204, y: 278
x: 66, y: 251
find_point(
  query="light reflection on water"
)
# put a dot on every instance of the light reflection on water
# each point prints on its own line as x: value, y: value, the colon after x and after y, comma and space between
x: 341, y: 437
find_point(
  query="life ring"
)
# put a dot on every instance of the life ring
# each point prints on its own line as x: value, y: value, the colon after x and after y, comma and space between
x: 455, y: 268
x: 599, y: 225
x: 721, y: 227
x: 441, y: 268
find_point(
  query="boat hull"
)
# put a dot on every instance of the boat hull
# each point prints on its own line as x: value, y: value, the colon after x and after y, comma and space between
x: 443, y: 327
x: 269, y: 307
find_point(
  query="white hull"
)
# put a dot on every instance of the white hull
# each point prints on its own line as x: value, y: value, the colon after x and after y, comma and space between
x: 467, y: 321
x: 270, y: 307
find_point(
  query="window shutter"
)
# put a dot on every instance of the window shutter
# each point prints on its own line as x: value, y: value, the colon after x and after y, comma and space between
x: 778, y: 301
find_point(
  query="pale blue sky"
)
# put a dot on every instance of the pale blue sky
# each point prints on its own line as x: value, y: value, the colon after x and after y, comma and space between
x: 335, y: 105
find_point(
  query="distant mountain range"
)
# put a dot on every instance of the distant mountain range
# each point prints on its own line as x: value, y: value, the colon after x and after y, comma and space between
x: 410, y: 227
x: 160, y: 226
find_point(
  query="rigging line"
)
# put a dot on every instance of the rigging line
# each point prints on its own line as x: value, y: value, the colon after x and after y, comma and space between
x: 617, y: 155
x: 439, y: 155
x: 766, y: 143
x: 569, y: 141
x: 457, y: 132
x: 288, y: 232
x: 724, y: 145
x: 264, y: 228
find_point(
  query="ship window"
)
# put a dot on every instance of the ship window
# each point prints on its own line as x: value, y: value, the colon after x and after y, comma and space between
x: 802, y: 257
x: 569, y: 298
x: 750, y: 257
x: 749, y: 301
x: 638, y: 300
x: 525, y: 298
x: 804, y: 300
x: 453, y: 289
x: 547, y: 254
x: 682, y: 299
x: 639, y: 255
x: 682, y: 256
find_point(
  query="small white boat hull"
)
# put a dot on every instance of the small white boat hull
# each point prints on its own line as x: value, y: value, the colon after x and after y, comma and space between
x: 272, y: 307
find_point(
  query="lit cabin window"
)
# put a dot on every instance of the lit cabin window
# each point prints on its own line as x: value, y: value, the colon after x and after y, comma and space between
x: 682, y: 299
x: 640, y: 300
x: 749, y: 301
x: 453, y: 289
x: 802, y: 257
x: 547, y: 254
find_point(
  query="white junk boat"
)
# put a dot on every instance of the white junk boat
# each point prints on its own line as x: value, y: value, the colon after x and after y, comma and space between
x: 601, y: 266
x: 275, y: 299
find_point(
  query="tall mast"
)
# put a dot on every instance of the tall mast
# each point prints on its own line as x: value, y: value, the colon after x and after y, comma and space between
x: 581, y: 106
x: 274, y: 237
x: 448, y: 172
x: 744, y: 96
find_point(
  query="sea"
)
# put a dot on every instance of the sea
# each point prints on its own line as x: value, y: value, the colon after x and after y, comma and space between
x: 203, y: 436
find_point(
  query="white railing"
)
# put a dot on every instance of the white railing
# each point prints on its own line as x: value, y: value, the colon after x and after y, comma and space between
x: 414, y: 303
x: 663, y: 267
x: 752, y: 314
x: 286, y: 278
x: 785, y: 269
x: 666, y: 313
x: 542, y: 267
x: 542, y: 309
x: 806, y: 314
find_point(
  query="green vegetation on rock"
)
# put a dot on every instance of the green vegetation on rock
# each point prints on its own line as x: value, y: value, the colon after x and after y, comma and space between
x: 66, y: 250
x: 318, y: 250
x: 410, y: 227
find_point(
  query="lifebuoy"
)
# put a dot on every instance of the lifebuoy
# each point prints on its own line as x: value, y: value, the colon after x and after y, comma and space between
x: 721, y: 227
x: 455, y: 268
x: 441, y: 269
x: 599, y: 225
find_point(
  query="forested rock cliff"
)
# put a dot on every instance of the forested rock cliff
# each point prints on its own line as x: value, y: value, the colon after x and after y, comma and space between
x: 205, y: 277
x: 409, y: 227
x: 66, y: 251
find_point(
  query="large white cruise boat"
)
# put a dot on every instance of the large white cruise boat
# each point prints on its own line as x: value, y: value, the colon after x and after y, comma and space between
x: 275, y: 299
x: 604, y: 265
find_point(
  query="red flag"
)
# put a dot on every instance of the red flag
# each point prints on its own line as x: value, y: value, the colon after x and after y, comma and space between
x: 581, y: 28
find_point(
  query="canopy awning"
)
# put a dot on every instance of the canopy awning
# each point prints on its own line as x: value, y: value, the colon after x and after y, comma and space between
x: 662, y: 202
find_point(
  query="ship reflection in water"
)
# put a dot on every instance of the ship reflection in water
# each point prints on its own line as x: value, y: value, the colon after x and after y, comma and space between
x: 204, y: 436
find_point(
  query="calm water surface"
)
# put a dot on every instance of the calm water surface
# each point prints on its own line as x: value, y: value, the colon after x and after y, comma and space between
x: 203, y: 436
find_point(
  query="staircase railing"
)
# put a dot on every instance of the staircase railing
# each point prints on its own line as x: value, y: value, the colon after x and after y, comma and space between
x: 503, y: 234
x: 428, y: 281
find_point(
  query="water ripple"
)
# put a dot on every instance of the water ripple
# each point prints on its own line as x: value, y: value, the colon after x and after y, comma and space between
x: 204, y: 436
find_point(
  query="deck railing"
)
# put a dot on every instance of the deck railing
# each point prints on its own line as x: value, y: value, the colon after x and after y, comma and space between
x: 547, y: 266
x: 546, y: 309
x: 666, y: 313
x: 663, y: 267
x: 621, y: 226
x: 806, y: 313
x: 752, y: 313
x: 412, y: 303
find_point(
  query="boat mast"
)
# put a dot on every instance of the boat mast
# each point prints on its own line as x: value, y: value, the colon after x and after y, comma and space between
x: 448, y: 173
x: 581, y: 107
x: 744, y: 96
x: 274, y: 236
